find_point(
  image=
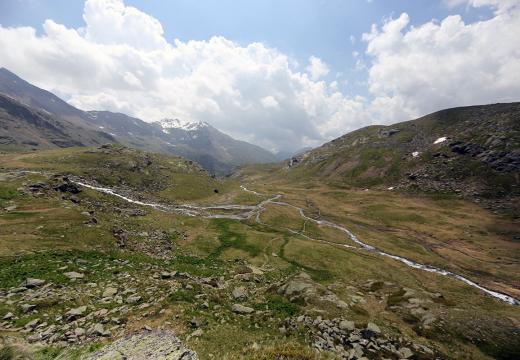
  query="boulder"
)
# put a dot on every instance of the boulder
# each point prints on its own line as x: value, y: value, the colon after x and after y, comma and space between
x: 8, y: 316
x: 76, y: 312
x: 133, y: 299
x: 374, y: 328
x: 79, y: 332
x: 300, y: 286
x: 109, y: 292
x: 241, y: 309
x: 99, y: 330
x: 28, y: 307
x: 32, y: 283
x: 68, y: 188
x: 239, y: 293
x: 74, y: 275
x: 347, y: 325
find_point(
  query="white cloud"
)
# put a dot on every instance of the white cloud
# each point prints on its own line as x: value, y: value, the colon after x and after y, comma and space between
x: 500, y: 5
x: 416, y: 70
x: 269, y: 102
x: 317, y: 68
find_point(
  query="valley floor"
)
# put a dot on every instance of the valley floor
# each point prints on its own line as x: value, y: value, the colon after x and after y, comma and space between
x: 81, y: 268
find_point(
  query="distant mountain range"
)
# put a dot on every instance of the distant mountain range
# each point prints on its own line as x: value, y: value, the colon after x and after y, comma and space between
x: 34, y: 118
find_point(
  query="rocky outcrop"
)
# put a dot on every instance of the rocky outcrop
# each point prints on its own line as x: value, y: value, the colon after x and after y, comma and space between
x: 145, y: 345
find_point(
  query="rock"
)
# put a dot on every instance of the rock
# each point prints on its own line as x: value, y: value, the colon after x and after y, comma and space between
x: 34, y: 338
x: 28, y: 307
x: 79, y: 332
x: 32, y: 283
x: 11, y: 208
x: 133, y: 299
x: 374, y: 328
x: 405, y: 353
x: 72, y: 275
x: 243, y: 269
x: 99, y: 330
x: 146, y: 345
x: 120, y: 235
x: 346, y: 325
x: 8, y: 316
x: 68, y: 187
x: 241, y: 309
x: 76, y: 312
x: 299, y: 287
x: 167, y: 275
x: 197, y: 322
x: 109, y: 292
x: 31, y: 324
x: 197, y: 333
x: 239, y: 293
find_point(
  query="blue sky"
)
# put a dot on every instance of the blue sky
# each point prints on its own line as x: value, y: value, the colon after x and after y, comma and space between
x: 281, y: 74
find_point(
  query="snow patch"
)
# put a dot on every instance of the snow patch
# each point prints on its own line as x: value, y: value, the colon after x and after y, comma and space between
x: 182, y: 124
x: 415, y: 153
x: 391, y: 188
x: 440, y: 140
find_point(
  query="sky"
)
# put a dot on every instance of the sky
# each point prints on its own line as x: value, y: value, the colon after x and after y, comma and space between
x: 281, y: 74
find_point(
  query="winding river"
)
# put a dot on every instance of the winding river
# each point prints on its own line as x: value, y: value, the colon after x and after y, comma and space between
x: 249, y: 211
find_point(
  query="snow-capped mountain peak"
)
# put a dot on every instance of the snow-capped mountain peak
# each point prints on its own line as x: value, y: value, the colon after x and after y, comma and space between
x: 167, y: 124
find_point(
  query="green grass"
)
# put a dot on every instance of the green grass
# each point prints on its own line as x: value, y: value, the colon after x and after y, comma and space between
x: 317, y: 274
x: 7, y: 193
x: 279, y: 306
x: 232, y: 239
x: 45, y: 265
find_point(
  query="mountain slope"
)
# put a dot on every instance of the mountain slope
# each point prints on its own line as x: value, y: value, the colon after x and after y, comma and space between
x: 473, y: 151
x: 201, y: 141
x: 214, y: 150
x: 23, y: 126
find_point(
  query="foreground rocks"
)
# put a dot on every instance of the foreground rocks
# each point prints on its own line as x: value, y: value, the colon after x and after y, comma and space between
x: 144, y: 346
x: 341, y: 337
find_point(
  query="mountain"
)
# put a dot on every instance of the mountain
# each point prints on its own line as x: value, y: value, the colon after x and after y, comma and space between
x: 472, y: 151
x: 34, y: 118
x: 203, y: 143
x: 215, y: 151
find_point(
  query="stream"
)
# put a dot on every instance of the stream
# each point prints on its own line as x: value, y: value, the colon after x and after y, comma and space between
x: 248, y: 211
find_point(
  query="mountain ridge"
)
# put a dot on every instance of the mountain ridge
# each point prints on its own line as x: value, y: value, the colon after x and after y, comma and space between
x: 217, y: 152
x: 473, y: 151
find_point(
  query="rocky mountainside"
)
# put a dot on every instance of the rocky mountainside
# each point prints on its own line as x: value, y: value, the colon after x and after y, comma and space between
x: 197, y: 141
x: 22, y: 126
x: 471, y: 151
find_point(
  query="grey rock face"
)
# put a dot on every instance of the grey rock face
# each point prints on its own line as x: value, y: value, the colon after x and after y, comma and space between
x: 144, y: 346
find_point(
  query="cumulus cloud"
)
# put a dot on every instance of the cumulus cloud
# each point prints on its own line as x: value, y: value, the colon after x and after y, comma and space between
x: 416, y: 70
x: 317, y: 68
x: 500, y: 5
x: 121, y: 61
